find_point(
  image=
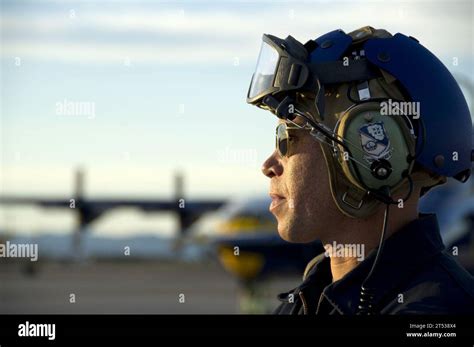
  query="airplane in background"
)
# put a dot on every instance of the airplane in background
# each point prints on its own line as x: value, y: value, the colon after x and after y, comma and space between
x: 89, y: 210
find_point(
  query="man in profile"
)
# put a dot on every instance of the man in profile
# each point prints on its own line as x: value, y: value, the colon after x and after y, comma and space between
x: 349, y: 171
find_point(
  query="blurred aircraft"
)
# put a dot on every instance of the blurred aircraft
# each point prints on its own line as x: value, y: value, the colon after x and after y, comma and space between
x: 90, y: 209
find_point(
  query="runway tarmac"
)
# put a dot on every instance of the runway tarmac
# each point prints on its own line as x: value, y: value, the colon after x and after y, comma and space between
x: 131, y: 287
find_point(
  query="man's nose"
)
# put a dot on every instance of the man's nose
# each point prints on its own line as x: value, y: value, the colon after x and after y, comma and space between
x: 272, y: 166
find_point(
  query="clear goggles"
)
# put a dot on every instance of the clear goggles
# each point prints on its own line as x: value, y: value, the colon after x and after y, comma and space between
x: 277, y: 69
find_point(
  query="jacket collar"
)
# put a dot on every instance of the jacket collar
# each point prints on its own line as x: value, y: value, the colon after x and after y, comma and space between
x: 404, y: 252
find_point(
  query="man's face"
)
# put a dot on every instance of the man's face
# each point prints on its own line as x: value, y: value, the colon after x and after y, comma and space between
x: 299, y: 187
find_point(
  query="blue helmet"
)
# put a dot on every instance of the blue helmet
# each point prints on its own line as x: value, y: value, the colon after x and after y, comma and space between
x: 447, y: 140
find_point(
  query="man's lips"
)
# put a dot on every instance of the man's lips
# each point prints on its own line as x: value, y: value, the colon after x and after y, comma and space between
x: 277, y: 200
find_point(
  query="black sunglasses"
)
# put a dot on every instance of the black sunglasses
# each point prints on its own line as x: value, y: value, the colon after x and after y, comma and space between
x: 282, y: 141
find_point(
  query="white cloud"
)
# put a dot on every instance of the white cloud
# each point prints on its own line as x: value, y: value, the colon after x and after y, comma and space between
x: 179, y: 35
x: 158, y: 53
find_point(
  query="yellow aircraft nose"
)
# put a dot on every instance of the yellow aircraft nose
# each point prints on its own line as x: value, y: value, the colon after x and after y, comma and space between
x: 244, y: 265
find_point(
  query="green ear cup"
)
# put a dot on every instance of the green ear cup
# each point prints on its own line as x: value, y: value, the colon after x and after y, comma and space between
x: 374, y: 139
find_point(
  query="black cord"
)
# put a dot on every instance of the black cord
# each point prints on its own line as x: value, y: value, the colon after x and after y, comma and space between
x: 367, y: 293
x: 386, y: 199
x: 324, y: 132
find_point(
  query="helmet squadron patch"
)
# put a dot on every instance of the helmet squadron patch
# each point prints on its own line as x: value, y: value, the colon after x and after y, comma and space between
x: 375, y: 142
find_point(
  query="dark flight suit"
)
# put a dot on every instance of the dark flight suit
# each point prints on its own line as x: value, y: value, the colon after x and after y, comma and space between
x: 413, y: 263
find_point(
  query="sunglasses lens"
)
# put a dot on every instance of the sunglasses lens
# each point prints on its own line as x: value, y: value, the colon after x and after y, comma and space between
x: 282, y: 139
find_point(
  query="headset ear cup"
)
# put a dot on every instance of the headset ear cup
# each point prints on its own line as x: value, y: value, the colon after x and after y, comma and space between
x: 379, y: 146
x: 351, y: 180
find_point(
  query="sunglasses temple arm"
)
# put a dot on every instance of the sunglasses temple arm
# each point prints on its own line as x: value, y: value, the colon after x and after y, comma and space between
x: 329, y: 134
x: 322, y: 130
x: 350, y: 157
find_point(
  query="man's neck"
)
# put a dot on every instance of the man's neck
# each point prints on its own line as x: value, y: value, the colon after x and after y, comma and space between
x: 354, y: 239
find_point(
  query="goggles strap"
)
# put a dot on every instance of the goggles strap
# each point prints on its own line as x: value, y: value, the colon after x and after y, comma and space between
x: 332, y: 72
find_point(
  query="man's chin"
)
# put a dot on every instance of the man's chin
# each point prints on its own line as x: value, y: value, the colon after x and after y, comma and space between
x: 294, y: 234
x: 287, y: 233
